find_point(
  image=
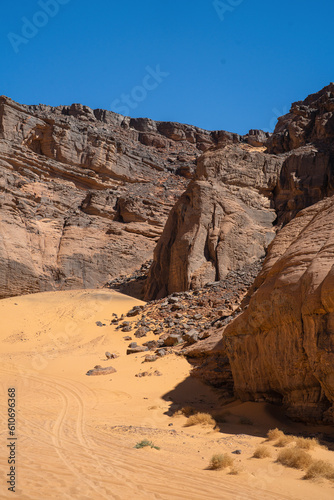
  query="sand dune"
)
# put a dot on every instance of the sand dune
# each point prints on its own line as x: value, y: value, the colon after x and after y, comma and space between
x: 76, y: 434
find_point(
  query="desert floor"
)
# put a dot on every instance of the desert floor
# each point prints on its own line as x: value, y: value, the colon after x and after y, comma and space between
x: 76, y: 434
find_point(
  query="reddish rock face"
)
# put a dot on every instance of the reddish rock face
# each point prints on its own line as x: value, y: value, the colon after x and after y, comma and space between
x: 281, y: 348
x: 84, y: 193
x: 222, y: 222
x: 309, y: 122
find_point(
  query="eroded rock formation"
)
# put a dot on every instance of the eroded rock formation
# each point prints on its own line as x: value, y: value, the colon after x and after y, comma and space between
x: 84, y: 194
x: 222, y: 222
x: 282, y: 347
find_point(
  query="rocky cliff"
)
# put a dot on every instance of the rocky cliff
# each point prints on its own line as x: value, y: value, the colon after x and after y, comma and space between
x: 280, y: 348
x: 85, y: 194
x: 222, y: 222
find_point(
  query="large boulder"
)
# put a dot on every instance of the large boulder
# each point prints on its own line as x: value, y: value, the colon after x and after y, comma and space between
x: 281, y: 348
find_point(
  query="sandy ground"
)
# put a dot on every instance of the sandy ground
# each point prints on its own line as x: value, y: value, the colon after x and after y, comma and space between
x: 76, y: 434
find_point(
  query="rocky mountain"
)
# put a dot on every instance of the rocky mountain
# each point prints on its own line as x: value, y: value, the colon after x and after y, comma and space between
x: 225, y: 218
x: 85, y: 194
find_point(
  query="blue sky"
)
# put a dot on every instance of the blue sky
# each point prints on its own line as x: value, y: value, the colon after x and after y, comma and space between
x: 229, y: 64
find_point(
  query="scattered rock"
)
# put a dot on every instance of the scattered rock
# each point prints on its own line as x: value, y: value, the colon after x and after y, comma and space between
x: 150, y: 358
x: 111, y: 355
x: 136, y: 350
x: 98, y: 370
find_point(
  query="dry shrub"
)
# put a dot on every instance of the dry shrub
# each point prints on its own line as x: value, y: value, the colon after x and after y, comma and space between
x: 200, y: 419
x: 306, y: 443
x: 235, y: 470
x: 320, y: 468
x: 262, y: 452
x: 220, y: 461
x: 295, y: 458
x: 284, y: 441
x: 274, y: 434
x: 187, y: 411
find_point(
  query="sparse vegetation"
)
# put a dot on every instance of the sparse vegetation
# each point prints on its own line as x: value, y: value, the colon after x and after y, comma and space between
x: 320, y: 468
x: 145, y: 442
x: 200, y: 419
x: 187, y: 411
x: 284, y: 441
x: 306, y: 443
x: 295, y: 458
x: 235, y: 470
x: 221, y: 461
x: 274, y: 434
x: 262, y: 452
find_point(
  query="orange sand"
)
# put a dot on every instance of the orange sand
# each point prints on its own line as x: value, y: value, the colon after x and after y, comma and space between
x: 76, y: 434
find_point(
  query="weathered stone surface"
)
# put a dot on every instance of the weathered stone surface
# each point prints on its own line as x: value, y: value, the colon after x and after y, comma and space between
x: 309, y: 121
x: 281, y: 348
x: 85, y: 194
x: 82, y: 200
x: 98, y: 370
x: 136, y: 350
x: 222, y: 222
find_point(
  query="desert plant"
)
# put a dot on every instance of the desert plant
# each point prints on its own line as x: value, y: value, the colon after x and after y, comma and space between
x: 235, y: 470
x: 320, y: 468
x: 200, y: 419
x: 187, y: 411
x: 295, y: 458
x: 274, y: 434
x: 306, y: 443
x: 262, y: 452
x: 284, y: 441
x: 220, y: 461
x: 146, y: 442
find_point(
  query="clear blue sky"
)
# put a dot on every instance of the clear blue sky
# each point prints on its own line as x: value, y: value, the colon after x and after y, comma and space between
x: 233, y: 71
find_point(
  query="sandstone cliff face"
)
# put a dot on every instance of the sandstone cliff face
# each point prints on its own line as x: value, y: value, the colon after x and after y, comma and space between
x: 84, y: 194
x: 309, y: 122
x: 281, y: 348
x: 222, y: 222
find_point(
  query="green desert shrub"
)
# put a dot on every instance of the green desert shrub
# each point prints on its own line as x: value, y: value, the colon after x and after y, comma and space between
x: 145, y: 442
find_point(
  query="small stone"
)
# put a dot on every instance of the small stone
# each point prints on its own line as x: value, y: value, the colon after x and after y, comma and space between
x: 127, y: 328
x: 172, y: 340
x: 173, y: 300
x: 237, y: 452
x: 98, y: 370
x: 135, y: 311
x: 127, y: 338
x: 141, y: 332
x: 150, y: 358
x: 136, y: 350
